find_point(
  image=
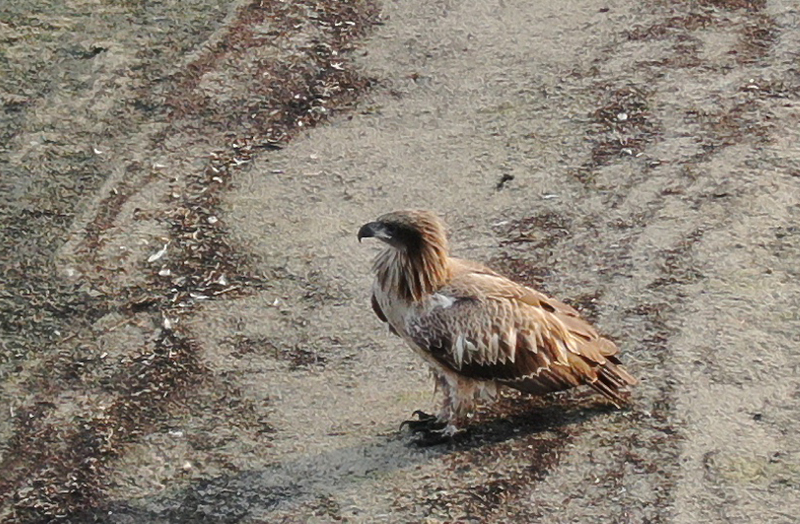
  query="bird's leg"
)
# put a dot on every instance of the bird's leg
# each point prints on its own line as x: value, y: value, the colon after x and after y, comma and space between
x: 426, y: 421
x: 442, y: 428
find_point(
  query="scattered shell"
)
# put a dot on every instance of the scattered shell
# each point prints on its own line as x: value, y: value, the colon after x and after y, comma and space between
x: 622, y: 117
x: 165, y: 272
x: 212, y: 220
x: 158, y: 254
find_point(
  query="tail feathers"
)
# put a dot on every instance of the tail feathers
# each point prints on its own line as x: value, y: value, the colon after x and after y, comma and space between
x: 613, y: 381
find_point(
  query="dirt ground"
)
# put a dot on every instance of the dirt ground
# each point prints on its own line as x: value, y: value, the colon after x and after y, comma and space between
x: 186, y: 334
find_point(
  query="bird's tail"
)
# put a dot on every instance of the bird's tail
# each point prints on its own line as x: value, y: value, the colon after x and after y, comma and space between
x: 613, y: 381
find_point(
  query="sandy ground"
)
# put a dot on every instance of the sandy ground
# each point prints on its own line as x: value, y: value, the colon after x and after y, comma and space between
x: 186, y: 335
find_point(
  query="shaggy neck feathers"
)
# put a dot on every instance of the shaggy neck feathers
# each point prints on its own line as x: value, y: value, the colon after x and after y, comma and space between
x: 414, y: 271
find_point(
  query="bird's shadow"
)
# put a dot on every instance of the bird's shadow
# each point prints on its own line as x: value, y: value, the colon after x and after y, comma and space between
x: 542, y: 427
x: 516, y: 416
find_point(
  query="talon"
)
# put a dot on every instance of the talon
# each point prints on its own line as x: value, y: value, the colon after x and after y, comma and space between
x: 424, y: 422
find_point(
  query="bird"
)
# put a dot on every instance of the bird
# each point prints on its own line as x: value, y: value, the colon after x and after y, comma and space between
x: 478, y: 330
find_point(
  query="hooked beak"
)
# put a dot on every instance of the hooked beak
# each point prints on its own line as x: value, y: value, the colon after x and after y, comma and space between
x: 374, y: 230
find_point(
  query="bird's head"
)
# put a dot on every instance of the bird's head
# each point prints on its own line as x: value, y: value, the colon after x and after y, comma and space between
x: 409, y: 231
x: 415, y: 263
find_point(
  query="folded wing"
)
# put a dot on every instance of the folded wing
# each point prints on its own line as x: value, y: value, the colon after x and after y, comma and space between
x: 498, y: 330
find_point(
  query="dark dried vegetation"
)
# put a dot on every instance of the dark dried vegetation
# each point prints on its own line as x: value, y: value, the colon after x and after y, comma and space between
x: 542, y: 230
x: 623, y: 126
x: 61, y: 467
x: 756, y: 30
x: 528, y: 244
x: 536, y: 430
x: 745, y: 121
x: 55, y: 470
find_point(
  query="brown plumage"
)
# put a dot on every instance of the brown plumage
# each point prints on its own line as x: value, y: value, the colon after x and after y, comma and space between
x: 478, y: 329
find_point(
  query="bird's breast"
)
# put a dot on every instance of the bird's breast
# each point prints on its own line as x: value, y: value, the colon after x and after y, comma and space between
x: 395, y: 309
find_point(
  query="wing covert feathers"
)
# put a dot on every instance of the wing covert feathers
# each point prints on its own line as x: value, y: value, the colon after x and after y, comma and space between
x: 499, y: 330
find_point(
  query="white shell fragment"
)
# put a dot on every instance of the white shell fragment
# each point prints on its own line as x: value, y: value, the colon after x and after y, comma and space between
x: 158, y: 254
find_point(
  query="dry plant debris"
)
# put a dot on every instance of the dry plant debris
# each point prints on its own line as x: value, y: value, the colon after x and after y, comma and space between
x: 55, y: 471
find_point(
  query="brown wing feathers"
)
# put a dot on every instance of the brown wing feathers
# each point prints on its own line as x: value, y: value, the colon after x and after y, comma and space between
x: 529, y: 347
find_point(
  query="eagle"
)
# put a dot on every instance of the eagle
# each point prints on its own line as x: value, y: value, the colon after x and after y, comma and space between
x: 478, y: 329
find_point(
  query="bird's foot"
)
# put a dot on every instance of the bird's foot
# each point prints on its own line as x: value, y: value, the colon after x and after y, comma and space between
x: 423, y: 423
x: 430, y: 430
x: 436, y: 436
